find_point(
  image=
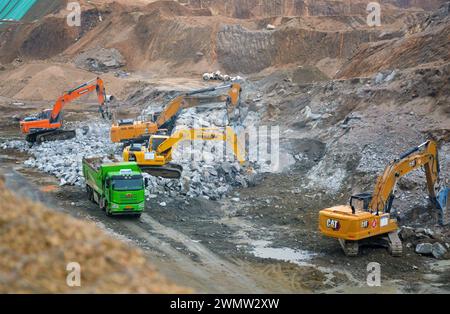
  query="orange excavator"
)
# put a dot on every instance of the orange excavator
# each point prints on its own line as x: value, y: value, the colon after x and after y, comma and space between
x: 47, y: 125
x: 130, y: 131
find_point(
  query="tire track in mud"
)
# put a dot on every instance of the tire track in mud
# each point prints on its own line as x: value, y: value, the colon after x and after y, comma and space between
x: 211, y: 266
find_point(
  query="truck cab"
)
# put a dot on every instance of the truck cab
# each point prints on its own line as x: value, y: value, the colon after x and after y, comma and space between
x: 124, y: 192
x: 118, y: 188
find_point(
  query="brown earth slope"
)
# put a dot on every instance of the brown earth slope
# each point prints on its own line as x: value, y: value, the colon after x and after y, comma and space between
x: 188, y: 37
x: 425, y: 42
x: 36, y: 244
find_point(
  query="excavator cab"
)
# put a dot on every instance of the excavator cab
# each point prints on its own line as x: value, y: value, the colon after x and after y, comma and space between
x: 43, y: 115
x: 155, y: 141
x: 360, y: 202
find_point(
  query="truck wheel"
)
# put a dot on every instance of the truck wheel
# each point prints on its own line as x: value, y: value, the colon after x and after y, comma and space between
x: 137, y: 215
x: 106, y: 210
x: 90, y: 193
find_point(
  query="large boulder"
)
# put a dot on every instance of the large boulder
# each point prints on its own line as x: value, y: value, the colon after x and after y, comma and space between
x: 424, y: 248
x: 438, y: 250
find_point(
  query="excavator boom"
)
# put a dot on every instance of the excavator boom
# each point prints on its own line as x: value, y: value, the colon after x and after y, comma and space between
x: 425, y: 155
x: 155, y: 158
x: 128, y: 131
x: 47, y: 125
x: 205, y: 134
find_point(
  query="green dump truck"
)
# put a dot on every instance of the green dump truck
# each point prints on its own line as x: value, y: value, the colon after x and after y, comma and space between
x: 118, y: 188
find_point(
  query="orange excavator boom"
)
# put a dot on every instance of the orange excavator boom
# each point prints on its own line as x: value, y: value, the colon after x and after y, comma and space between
x: 77, y: 92
x: 47, y: 124
x: 127, y: 131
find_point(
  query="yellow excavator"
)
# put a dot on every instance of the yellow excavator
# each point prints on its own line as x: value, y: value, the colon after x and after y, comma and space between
x: 155, y: 157
x: 129, y: 131
x: 368, y: 220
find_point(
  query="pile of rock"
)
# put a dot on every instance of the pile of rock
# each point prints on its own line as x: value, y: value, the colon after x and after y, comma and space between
x: 44, y: 241
x: 218, y: 76
x: 201, y: 180
x: 210, y: 169
x: 63, y: 158
x: 384, y: 77
x: 427, y: 241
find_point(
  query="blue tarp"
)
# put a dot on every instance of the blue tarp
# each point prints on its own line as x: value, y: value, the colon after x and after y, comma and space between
x: 15, y: 9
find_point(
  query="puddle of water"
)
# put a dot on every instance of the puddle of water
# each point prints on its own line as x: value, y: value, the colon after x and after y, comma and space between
x: 263, y: 250
x: 440, y: 266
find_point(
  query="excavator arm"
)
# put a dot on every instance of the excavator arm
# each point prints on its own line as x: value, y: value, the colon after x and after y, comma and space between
x: 424, y: 155
x: 129, y: 131
x: 85, y: 88
x: 189, y: 100
x: 205, y: 134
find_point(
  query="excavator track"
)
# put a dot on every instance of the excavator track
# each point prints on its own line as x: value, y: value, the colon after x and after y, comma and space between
x: 351, y: 248
x: 169, y: 171
x: 56, y: 135
x: 395, y: 246
x: 50, y: 135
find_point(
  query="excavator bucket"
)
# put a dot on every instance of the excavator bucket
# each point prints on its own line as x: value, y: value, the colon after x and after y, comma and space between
x: 441, y: 203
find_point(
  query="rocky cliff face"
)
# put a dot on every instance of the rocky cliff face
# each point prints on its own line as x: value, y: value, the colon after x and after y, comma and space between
x: 424, y: 42
x: 247, y: 51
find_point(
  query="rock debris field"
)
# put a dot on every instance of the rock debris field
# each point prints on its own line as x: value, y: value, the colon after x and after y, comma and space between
x: 210, y: 169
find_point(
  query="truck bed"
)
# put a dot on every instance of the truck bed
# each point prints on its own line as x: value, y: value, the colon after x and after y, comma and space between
x: 95, y: 162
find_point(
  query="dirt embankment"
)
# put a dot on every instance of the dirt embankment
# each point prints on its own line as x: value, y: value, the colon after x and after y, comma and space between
x: 36, y: 245
x: 167, y: 37
x: 425, y: 42
x: 269, y: 8
x: 40, y: 81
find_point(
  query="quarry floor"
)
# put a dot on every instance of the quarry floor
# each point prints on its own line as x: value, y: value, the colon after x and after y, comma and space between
x: 200, y: 245
x: 261, y: 239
